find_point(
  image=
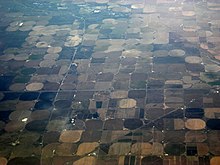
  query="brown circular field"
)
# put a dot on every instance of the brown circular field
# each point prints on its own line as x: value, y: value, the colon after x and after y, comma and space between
x: 51, y: 56
x: 70, y: 136
x: 47, y: 63
x: 34, y: 86
x: 21, y: 57
x: 3, y: 161
x: 85, y: 148
x: 52, y: 50
x: 195, y: 124
x: 157, y: 149
x: 193, y: 59
x: 14, y: 126
x: 17, y: 87
x: 66, y: 149
x: 188, y: 13
x: 215, y: 160
x: 202, y: 149
x: 48, y: 150
x: 127, y: 103
x: 177, y: 53
x: 212, y: 68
